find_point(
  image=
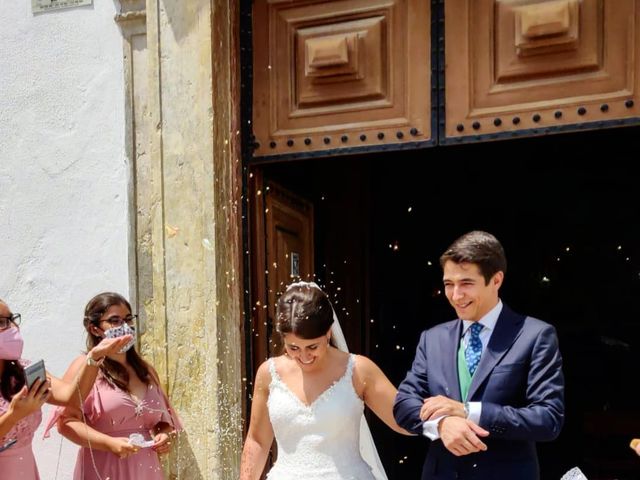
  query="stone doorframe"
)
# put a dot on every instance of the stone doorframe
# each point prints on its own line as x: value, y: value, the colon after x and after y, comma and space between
x: 181, y: 65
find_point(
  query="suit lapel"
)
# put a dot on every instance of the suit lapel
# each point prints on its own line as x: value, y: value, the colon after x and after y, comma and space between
x: 507, y: 330
x: 450, y: 348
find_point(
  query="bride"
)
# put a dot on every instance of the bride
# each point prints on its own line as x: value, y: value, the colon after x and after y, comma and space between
x: 312, y: 399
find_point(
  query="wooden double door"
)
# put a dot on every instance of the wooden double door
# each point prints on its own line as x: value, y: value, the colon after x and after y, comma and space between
x: 348, y: 76
x: 371, y: 122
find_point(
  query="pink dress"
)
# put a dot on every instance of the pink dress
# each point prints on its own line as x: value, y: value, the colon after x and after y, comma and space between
x: 18, y: 461
x: 113, y: 412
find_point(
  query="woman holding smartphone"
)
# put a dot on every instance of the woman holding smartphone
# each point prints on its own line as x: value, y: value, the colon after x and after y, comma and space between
x: 127, y: 401
x: 20, y: 405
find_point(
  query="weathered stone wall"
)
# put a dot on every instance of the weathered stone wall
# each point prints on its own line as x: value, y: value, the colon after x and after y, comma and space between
x: 188, y: 221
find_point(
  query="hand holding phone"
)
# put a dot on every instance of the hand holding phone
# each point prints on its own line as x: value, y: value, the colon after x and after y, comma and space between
x: 34, y: 371
x: 8, y: 444
x: 33, y: 394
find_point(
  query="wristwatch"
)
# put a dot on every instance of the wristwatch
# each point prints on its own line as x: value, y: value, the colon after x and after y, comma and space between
x: 466, y: 409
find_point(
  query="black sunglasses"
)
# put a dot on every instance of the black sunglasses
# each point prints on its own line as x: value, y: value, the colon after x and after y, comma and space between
x: 5, y: 322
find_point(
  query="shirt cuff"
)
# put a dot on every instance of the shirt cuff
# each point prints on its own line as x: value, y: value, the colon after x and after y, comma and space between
x: 430, y: 428
x: 475, y: 411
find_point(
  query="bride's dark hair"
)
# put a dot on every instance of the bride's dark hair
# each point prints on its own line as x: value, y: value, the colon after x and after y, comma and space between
x: 304, y: 310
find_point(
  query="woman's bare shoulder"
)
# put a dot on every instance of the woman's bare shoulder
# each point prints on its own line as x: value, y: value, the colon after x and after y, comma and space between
x: 364, y: 364
x: 263, y: 374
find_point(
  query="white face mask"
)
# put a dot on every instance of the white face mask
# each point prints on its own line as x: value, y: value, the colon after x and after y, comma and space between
x: 121, y: 331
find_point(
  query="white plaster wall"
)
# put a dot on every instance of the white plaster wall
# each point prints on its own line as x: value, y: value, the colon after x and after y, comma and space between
x: 63, y: 181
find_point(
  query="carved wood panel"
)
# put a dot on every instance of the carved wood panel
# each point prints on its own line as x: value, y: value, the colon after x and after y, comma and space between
x: 282, y: 251
x: 532, y: 64
x: 340, y: 74
x: 289, y: 246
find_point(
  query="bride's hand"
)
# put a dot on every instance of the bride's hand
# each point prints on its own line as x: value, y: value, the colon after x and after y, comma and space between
x: 441, y: 406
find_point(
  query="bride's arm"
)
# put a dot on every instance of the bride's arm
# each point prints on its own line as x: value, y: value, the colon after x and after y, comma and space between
x: 260, y: 434
x: 377, y: 391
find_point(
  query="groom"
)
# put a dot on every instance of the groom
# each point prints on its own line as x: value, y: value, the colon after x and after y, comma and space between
x: 486, y: 387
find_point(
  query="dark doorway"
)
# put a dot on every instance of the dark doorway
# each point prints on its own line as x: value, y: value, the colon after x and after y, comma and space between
x: 572, y: 237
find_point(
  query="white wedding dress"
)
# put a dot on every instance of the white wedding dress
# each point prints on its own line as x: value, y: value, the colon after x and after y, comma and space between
x: 320, y: 441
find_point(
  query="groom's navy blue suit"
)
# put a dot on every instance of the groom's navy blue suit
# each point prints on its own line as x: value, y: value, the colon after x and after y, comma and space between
x: 521, y: 386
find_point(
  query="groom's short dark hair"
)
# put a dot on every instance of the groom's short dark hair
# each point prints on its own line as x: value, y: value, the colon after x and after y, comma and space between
x: 480, y: 248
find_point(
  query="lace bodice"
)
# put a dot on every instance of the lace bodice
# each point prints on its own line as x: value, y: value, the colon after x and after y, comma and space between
x: 318, y: 441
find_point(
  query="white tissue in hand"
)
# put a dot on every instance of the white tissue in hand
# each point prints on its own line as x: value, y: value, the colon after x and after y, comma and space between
x: 574, y: 474
x: 137, y: 440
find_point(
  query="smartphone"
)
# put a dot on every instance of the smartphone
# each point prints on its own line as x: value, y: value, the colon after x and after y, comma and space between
x: 7, y: 445
x: 34, y: 371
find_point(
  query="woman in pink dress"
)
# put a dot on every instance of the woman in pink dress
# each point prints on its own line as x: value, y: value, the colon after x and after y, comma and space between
x: 20, y: 407
x: 126, y: 402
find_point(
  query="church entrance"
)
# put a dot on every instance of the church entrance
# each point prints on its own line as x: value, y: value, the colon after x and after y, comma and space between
x: 379, y: 222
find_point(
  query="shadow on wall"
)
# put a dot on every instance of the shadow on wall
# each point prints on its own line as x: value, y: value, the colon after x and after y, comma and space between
x: 182, y: 462
x: 182, y: 17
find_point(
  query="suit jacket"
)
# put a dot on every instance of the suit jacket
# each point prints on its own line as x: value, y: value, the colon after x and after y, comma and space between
x: 521, y: 386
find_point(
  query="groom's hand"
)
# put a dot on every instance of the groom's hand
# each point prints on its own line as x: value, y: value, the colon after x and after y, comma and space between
x: 460, y: 436
x: 441, y: 406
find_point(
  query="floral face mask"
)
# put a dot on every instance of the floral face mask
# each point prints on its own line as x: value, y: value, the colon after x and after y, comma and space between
x: 121, y: 331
